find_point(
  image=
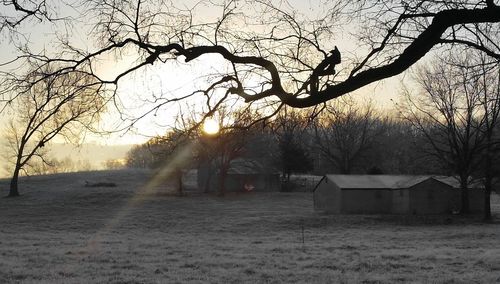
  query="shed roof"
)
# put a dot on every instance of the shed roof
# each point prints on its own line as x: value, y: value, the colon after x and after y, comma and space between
x: 249, y: 167
x: 455, y: 183
x: 376, y: 181
x: 392, y: 181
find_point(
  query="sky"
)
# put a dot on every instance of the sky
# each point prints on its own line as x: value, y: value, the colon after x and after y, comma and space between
x: 173, y: 78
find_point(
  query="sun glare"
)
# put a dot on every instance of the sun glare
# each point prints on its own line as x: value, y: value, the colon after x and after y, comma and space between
x: 210, y: 126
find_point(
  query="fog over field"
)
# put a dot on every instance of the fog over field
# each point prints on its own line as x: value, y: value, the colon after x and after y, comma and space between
x: 93, y: 153
x: 60, y: 231
x: 96, y: 154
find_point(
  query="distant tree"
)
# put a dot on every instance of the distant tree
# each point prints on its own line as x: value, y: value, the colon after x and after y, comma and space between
x: 346, y: 132
x: 175, y: 153
x: 399, y: 150
x: 289, y: 129
x: 168, y: 154
x: 450, y: 115
x: 375, y: 171
x: 140, y: 156
x: 44, y: 107
x: 51, y: 165
x: 114, y: 164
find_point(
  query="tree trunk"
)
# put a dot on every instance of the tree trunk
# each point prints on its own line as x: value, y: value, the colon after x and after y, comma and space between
x: 346, y: 166
x: 13, y: 192
x: 285, y: 184
x: 464, y: 193
x: 488, y: 181
x: 207, y: 177
x: 178, y: 175
x: 206, y: 187
x: 223, y: 169
x: 487, y: 206
x: 487, y: 195
x: 222, y: 181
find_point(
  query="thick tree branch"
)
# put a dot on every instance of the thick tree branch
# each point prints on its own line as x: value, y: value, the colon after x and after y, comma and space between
x: 430, y: 37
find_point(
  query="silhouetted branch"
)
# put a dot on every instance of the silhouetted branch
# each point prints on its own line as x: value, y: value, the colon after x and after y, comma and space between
x: 285, y: 56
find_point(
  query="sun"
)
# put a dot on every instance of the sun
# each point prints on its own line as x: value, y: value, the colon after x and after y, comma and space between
x: 210, y: 126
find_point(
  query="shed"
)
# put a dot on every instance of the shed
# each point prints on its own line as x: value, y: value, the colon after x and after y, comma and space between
x: 396, y: 194
x: 356, y: 194
x: 243, y: 175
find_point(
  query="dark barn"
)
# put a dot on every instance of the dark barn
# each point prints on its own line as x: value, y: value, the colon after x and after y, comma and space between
x: 392, y: 194
x: 243, y: 176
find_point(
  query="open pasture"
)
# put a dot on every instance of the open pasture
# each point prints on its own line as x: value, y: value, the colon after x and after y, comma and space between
x: 60, y: 231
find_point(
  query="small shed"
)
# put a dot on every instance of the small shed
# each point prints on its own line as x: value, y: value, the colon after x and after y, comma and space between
x: 356, y: 194
x: 396, y: 194
x: 243, y: 175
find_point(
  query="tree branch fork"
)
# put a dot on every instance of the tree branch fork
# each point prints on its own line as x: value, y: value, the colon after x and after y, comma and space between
x: 306, y: 96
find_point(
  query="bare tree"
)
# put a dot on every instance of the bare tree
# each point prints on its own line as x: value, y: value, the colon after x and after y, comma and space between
x: 398, y: 150
x: 51, y: 165
x: 289, y: 129
x: 140, y: 156
x: 174, y: 153
x: 487, y: 82
x: 44, y: 107
x: 114, y: 164
x: 346, y: 132
x: 449, y: 114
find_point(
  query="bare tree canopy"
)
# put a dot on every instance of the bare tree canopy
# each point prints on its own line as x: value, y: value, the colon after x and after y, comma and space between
x: 346, y: 132
x: 53, y: 106
x: 457, y: 111
x: 273, y: 51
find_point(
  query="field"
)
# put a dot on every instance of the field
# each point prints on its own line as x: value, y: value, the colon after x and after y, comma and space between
x: 60, y: 231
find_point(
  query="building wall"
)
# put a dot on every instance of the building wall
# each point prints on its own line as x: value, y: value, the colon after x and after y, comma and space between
x: 431, y: 197
x: 476, y: 200
x: 203, y: 177
x: 366, y: 201
x: 237, y: 182
x: 327, y: 197
x: 400, y: 201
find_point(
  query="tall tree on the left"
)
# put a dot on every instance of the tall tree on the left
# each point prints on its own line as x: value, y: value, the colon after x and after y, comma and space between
x: 43, y: 107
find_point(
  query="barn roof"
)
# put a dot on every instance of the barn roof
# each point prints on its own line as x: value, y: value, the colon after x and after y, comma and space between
x: 374, y: 181
x: 454, y: 182
x: 388, y: 181
x: 248, y: 167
